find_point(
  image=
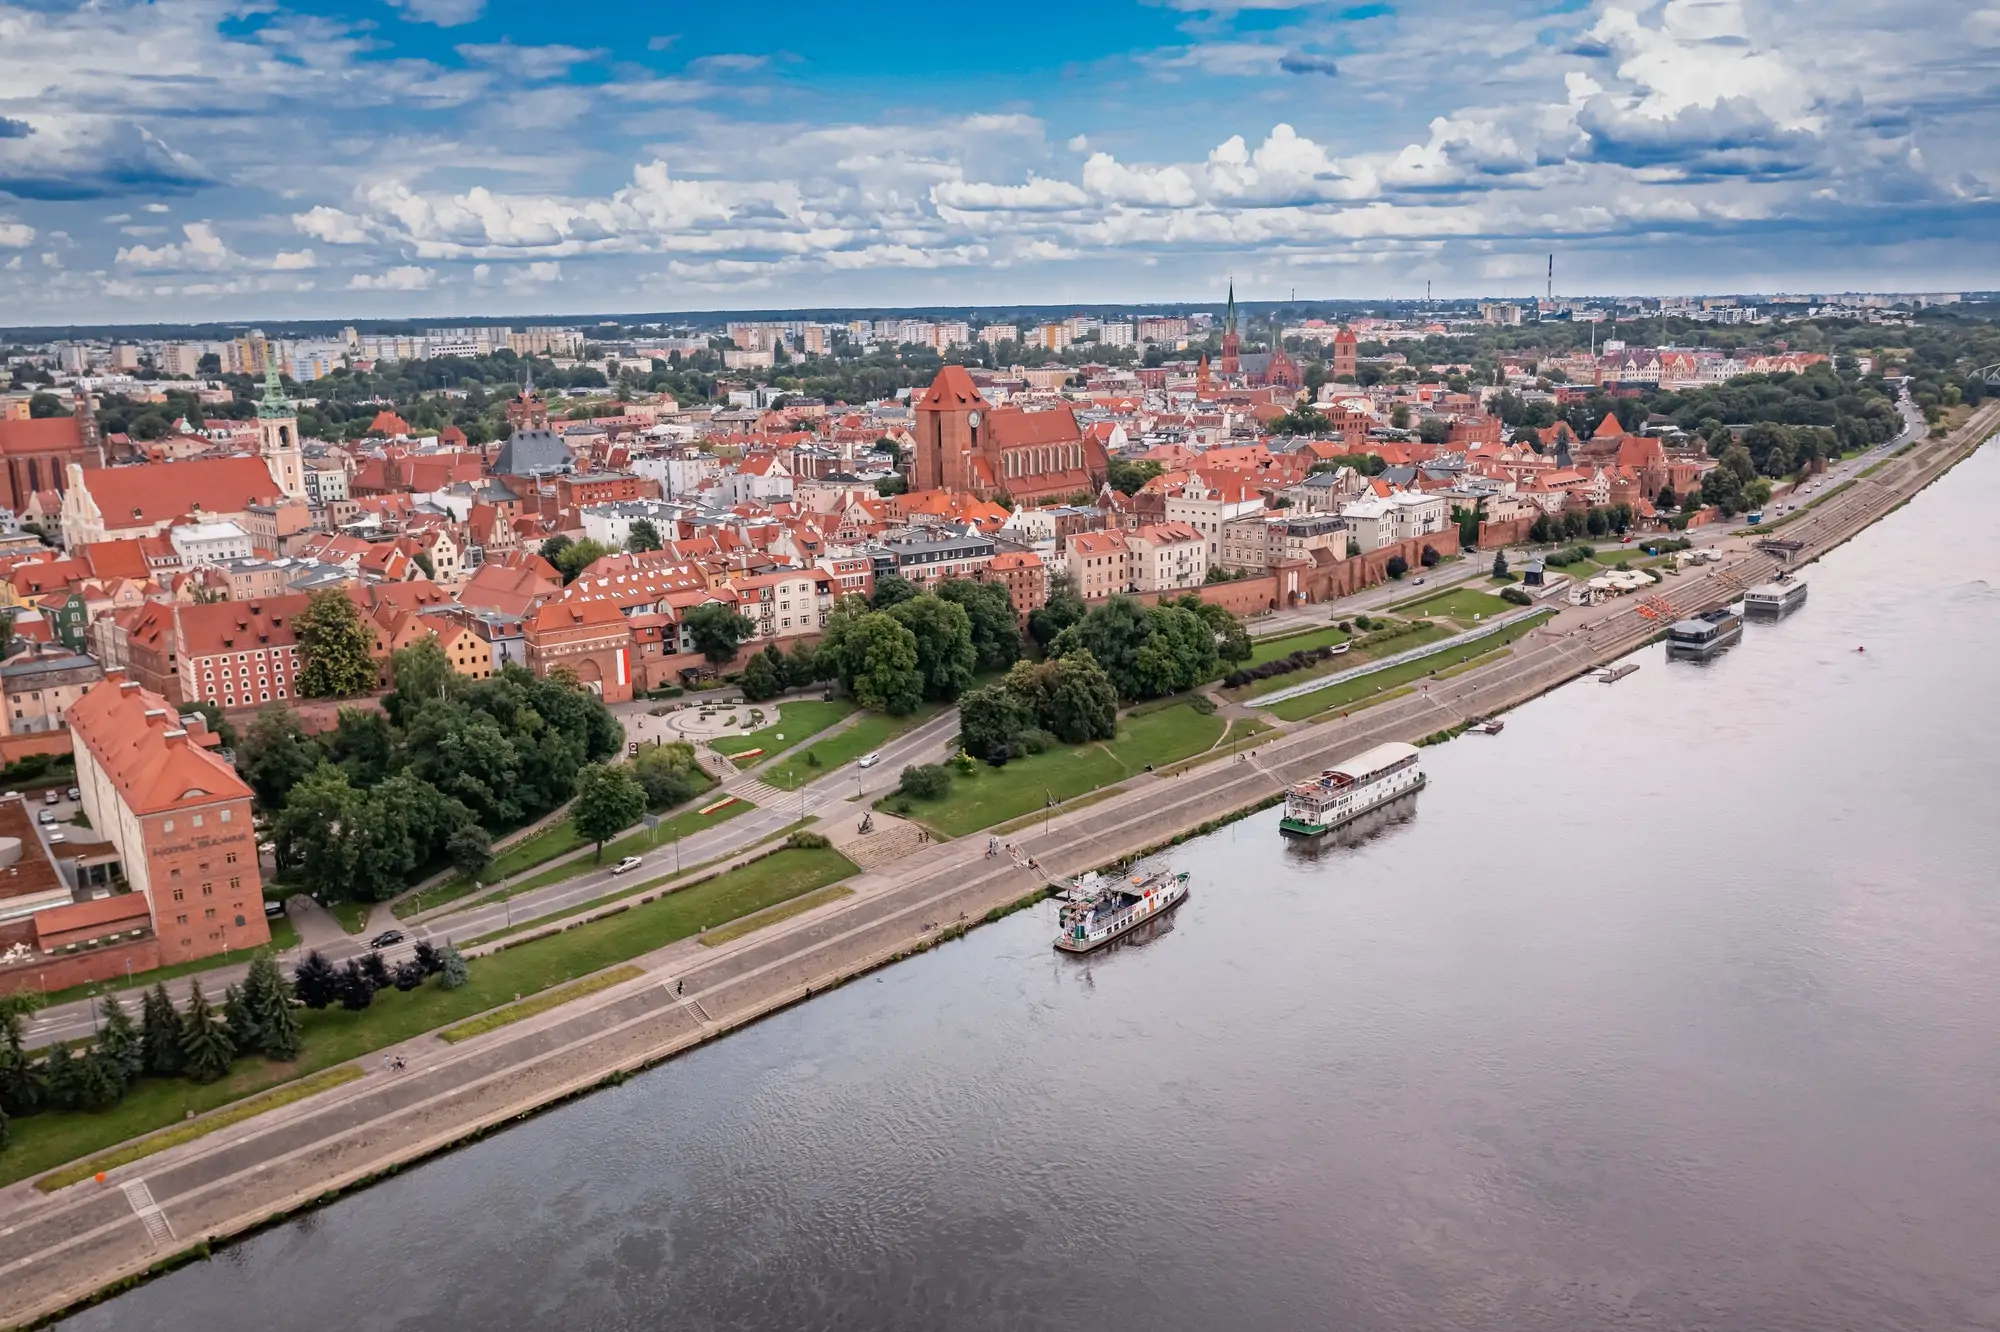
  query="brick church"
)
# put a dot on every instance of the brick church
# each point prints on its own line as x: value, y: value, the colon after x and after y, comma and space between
x: 1032, y: 457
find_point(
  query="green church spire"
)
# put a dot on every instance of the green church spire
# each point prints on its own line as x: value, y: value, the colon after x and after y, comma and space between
x: 274, y: 406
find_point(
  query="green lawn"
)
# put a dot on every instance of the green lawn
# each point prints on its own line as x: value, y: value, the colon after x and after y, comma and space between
x: 334, y: 1035
x: 1428, y: 633
x: 870, y: 733
x: 990, y: 795
x: 1458, y: 603
x: 797, y: 720
x: 640, y: 841
x: 1270, y: 649
x: 1384, y: 681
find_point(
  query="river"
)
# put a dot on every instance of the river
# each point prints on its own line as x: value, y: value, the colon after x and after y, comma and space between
x: 1673, y: 1006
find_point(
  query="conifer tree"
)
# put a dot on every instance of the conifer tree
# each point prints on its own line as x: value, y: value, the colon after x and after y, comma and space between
x: 160, y: 1034
x: 59, y: 1075
x: 238, y: 1020
x: 99, y: 1081
x: 205, y: 1048
x: 357, y: 988
x: 21, y: 1088
x: 271, y: 1004
x: 316, y: 981
x: 119, y: 1045
x: 452, y: 971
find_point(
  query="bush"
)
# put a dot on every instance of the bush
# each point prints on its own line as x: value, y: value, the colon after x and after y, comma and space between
x: 962, y: 761
x: 1362, y: 622
x: 1429, y: 559
x: 926, y: 781
x: 1516, y: 595
x: 1397, y: 566
x: 807, y: 841
x: 1202, y: 704
x: 1035, y: 742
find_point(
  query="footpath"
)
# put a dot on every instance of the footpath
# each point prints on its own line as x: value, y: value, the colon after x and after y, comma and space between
x: 60, y: 1249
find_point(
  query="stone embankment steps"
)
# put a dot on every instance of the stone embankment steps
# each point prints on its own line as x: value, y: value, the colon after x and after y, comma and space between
x: 54, y: 1251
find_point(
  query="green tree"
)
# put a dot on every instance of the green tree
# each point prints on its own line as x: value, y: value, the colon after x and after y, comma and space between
x: 877, y: 656
x: 928, y: 781
x: 803, y: 667
x: 160, y: 1033
x: 334, y: 647
x: 1499, y: 564
x: 608, y: 801
x: 990, y: 719
x: 210, y: 713
x: 1083, y: 705
x: 268, y: 998
x: 885, y: 486
x: 470, y: 849
x: 118, y: 1042
x: 717, y: 630
x: 764, y: 674
x: 668, y: 773
x: 1232, y: 640
x: 552, y: 549
x: 643, y: 536
x: 452, y: 969
x: 276, y: 755
x: 1127, y: 476
x: 238, y: 1021
x: 574, y: 558
x: 1112, y: 634
x: 1059, y: 611
x: 996, y: 630
x: 418, y: 672
x: 1397, y: 566
x: 316, y: 981
x: 892, y: 590
x: 204, y: 1043
x: 943, y: 631
x: 313, y: 833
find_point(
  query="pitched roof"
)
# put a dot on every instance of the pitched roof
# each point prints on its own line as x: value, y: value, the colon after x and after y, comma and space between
x: 1012, y: 427
x: 239, y: 626
x: 47, y: 433
x: 160, y: 492
x: 155, y: 760
x: 952, y: 388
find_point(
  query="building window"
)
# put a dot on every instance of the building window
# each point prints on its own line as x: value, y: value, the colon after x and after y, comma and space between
x: 225, y: 819
x: 179, y: 893
x: 197, y: 823
x: 168, y: 826
x: 181, y: 920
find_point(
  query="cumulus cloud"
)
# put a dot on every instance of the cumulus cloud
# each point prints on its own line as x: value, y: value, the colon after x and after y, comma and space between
x: 527, y: 62
x: 286, y: 260
x: 331, y: 225
x: 199, y: 248
x: 15, y: 235
x: 406, y: 277
x: 443, y: 13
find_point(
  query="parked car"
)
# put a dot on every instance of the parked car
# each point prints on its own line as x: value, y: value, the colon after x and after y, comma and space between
x: 626, y: 865
x: 51, y: 796
x: 273, y: 910
x: 869, y: 760
x: 47, y: 816
x: 75, y: 794
x: 386, y: 938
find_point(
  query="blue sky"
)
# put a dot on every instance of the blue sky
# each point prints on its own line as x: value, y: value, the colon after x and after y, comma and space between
x: 220, y: 159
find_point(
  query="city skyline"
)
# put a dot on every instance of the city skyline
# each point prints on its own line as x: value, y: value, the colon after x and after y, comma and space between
x: 452, y: 158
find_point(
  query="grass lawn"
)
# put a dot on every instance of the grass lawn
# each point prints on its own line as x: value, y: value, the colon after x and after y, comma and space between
x: 798, y: 906
x: 284, y: 937
x: 797, y: 720
x: 334, y: 1035
x: 1428, y: 633
x: 870, y: 733
x: 1270, y: 649
x: 1459, y: 603
x: 639, y: 841
x: 353, y: 916
x: 990, y: 795
x: 1382, y: 682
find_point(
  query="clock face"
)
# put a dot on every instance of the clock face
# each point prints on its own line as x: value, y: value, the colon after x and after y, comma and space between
x: 972, y: 419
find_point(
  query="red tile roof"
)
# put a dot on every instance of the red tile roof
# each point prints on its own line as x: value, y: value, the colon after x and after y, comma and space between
x: 137, y: 737
x: 239, y: 626
x: 160, y: 492
x: 952, y: 388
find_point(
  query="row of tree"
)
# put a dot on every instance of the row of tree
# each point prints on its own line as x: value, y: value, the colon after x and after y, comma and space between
x: 1570, y: 524
x: 1148, y: 652
x: 320, y: 984
x: 1069, y: 699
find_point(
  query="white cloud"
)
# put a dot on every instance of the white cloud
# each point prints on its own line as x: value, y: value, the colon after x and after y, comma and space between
x: 443, y: 13
x: 1039, y: 194
x: 331, y: 225
x: 286, y: 260
x: 537, y: 274
x: 407, y: 277
x: 158, y: 208
x: 200, y: 248
x: 15, y: 235
x: 527, y: 62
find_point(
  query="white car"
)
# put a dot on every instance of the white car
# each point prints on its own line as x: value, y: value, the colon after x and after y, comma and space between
x: 869, y: 760
x: 627, y: 864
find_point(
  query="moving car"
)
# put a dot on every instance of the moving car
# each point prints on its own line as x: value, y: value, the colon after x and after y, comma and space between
x: 385, y: 938
x: 626, y: 865
x: 869, y: 760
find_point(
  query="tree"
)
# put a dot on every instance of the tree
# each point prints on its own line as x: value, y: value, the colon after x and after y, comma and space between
x: 1127, y: 475
x: 1666, y: 499
x: 118, y: 1042
x: 470, y: 848
x: 237, y: 1019
x: 943, y: 632
x: 717, y: 631
x: 1232, y: 640
x: 1397, y: 566
x: 876, y: 656
x: 928, y: 781
x: 205, y: 1048
x: 334, y: 647
x: 577, y: 556
x: 375, y: 969
x: 608, y: 801
x: 452, y: 971
x: 764, y: 674
x: 643, y: 536
x: 355, y: 986
x: 1433, y: 430
x: 316, y: 980
x: 1113, y: 635
x: 996, y: 630
x: 1083, y: 704
x: 418, y: 672
x: 276, y: 754
x: 667, y: 773
x: 552, y: 549
x: 1062, y: 609
x: 802, y: 668
x: 892, y: 590
x: 428, y: 957
x: 989, y: 719
x: 160, y: 1033
x: 1429, y: 557
x: 885, y: 486
x: 1499, y: 564
x: 269, y: 1001
x: 409, y: 974
x: 210, y: 713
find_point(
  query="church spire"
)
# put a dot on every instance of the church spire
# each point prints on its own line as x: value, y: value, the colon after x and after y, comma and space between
x: 274, y: 406
x: 1229, y: 311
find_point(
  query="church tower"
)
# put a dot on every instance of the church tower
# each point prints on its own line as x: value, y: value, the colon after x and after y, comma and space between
x: 278, y: 433
x: 1232, y: 341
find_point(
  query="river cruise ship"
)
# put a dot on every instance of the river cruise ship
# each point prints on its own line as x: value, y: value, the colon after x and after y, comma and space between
x: 1348, y: 790
x: 1096, y: 909
x: 1705, y: 635
x: 1782, y: 597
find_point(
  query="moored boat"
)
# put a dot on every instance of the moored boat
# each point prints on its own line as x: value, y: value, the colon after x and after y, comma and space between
x: 1097, y: 909
x: 1781, y: 596
x: 1348, y: 790
x: 1704, y: 635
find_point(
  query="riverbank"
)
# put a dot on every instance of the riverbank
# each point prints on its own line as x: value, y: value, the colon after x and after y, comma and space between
x: 59, y: 1250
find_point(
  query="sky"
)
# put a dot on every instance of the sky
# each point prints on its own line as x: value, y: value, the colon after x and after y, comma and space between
x: 186, y: 160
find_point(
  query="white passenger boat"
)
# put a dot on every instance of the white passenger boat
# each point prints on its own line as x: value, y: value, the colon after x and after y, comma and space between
x: 1097, y: 909
x: 1704, y: 635
x: 1348, y: 790
x: 1780, y: 597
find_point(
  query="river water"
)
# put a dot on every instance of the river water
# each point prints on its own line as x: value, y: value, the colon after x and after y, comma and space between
x: 1674, y: 1006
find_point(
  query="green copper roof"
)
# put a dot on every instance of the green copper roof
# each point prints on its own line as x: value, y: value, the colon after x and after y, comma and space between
x: 274, y: 406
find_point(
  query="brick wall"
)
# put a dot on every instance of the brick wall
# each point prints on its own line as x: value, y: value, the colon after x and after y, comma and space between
x: 14, y: 748
x: 80, y: 968
x: 1509, y: 533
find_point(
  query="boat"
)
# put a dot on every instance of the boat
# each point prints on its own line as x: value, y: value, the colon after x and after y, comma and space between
x: 1491, y: 726
x: 1613, y: 674
x: 1338, y: 648
x: 1704, y: 635
x: 1781, y: 596
x: 1350, y: 789
x: 1097, y: 909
